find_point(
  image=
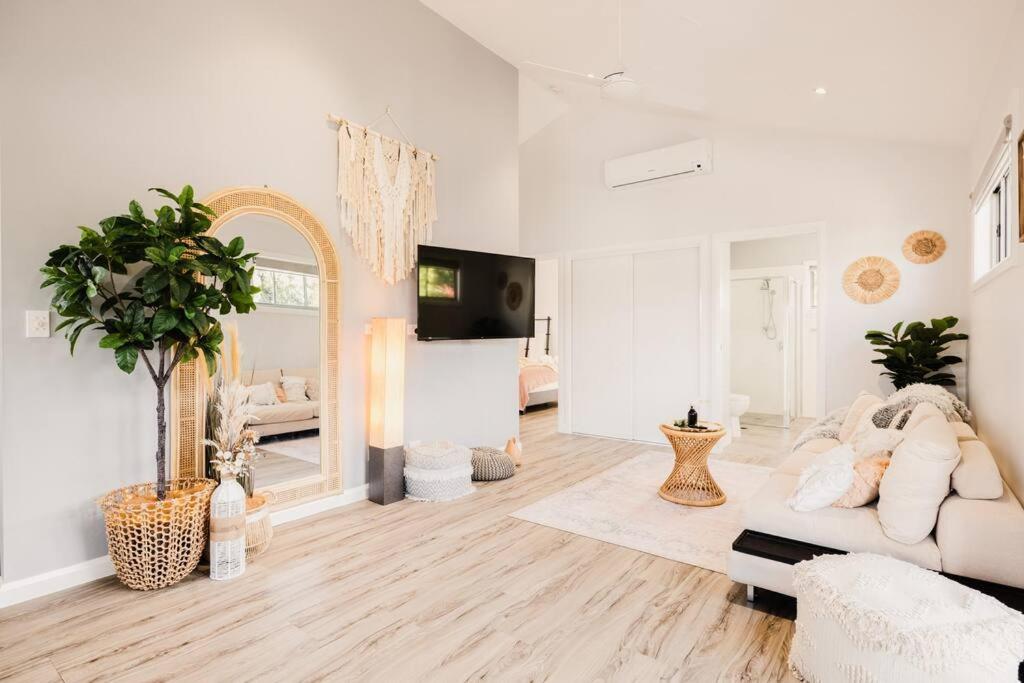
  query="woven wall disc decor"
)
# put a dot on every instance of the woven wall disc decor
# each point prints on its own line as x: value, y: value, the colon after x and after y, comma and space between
x: 871, y: 279
x: 924, y: 246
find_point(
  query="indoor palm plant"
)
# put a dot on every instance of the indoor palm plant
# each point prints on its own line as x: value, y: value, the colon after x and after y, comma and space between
x: 152, y: 287
x: 916, y: 353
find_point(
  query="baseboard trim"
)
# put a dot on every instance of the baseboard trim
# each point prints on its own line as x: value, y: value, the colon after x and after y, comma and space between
x: 315, y: 507
x: 22, y: 590
x: 13, y: 592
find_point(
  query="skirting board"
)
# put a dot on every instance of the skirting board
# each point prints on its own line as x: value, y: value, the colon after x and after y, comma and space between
x: 14, y: 592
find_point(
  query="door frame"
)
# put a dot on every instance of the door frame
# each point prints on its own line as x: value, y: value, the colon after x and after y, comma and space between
x: 721, y: 319
x: 564, y: 342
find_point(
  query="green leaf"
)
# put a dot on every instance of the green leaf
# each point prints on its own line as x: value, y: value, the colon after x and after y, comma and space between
x: 181, y: 287
x: 235, y: 247
x: 112, y: 341
x: 185, y: 198
x: 176, y: 252
x: 126, y: 357
x: 135, y: 209
x: 896, y: 329
x: 164, y: 320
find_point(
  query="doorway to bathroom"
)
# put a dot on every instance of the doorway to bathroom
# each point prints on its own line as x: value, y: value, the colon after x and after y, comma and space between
x: 770, y: 331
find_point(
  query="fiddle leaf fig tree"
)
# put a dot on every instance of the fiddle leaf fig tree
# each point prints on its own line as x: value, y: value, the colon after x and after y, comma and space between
x: 153, y: 288
x: 917, y: 353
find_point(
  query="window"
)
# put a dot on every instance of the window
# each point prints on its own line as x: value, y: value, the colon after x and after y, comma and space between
x: 280, y: 287
x: 992, y: 224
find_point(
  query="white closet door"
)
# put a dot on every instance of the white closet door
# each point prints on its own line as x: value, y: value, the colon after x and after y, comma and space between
x: 602, y: 346
x: 666, y: 338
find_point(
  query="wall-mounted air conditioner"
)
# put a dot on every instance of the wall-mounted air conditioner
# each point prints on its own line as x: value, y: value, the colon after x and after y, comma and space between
x: 688, y: 158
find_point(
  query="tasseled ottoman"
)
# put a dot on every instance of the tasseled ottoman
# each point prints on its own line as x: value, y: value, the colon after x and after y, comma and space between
x: 864, y: 617
x: 437, y: 471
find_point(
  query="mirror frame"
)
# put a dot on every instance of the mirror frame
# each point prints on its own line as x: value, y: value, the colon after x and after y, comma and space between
x: 188, y: 393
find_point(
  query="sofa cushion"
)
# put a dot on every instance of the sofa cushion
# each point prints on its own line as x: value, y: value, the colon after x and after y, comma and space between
x: 851, y: 529
x: 917, y: 480
x: 861, y: 405
x: 977, y: 476
x: 798, y: 460
x: 983, y: 539
x: 282, y: 412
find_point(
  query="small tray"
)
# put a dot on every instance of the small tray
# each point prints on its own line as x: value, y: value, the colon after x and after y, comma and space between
x: 706, y: 427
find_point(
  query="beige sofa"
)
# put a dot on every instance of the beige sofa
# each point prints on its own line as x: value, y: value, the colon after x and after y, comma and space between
x: 286, y: 417
x: 980, y: 541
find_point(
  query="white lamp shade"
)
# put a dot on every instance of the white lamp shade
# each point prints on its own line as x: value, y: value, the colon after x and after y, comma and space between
x: 387, y: 382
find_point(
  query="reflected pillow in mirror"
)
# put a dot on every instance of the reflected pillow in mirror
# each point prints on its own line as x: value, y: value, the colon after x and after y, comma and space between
x: 313, y: 389
x: 294, y: 388
x: 262, y: 394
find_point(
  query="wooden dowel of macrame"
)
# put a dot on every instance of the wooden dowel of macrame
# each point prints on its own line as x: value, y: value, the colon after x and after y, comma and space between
x: 337, y: 120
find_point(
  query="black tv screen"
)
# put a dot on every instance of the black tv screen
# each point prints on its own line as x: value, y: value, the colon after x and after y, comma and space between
x: 473, y: 295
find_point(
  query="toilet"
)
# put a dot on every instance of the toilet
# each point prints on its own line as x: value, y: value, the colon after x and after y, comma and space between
x: 738, y: 404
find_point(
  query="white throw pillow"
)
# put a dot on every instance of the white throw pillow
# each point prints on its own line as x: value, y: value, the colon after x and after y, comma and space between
x: 918, y: 480
x: 294, y: 388
x: 263, y: 395
x: 875, y: 441
x: 825, y: 480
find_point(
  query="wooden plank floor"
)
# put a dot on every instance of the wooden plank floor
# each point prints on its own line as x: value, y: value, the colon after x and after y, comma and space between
x: 421, y: 591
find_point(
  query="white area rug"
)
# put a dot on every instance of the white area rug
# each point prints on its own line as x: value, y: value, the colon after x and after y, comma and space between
x: 306, y: 449
x: 621, y: 506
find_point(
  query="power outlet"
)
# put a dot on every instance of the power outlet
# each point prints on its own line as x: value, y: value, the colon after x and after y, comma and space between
x: 37, y: 323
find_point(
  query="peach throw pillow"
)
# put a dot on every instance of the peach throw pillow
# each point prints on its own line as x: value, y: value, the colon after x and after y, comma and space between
x: 867, y: 475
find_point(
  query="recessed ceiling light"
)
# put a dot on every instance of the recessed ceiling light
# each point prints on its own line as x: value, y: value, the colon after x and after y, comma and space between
x: 820, y: 91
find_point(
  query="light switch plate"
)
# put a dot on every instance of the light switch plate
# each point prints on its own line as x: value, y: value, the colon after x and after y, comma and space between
x: 37, y: 323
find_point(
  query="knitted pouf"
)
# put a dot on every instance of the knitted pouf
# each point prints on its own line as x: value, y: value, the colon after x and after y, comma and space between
x: 864, y: 617
x: 490, y: 464
x: 437, y: 471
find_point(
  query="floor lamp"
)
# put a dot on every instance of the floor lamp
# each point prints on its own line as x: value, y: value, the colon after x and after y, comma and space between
x: 387, y: 411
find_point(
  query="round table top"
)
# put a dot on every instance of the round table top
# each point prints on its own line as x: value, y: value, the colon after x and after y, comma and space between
x: 712, y: 428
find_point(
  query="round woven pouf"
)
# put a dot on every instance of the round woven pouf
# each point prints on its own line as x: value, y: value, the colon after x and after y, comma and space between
x: 490, y: 464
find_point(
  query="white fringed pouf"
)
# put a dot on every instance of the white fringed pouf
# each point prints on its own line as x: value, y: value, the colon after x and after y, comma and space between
x: 437, y: 471
x: 864, y: 617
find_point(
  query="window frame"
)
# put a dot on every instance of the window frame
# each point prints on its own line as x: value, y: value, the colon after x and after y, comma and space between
x: 1000, y: 177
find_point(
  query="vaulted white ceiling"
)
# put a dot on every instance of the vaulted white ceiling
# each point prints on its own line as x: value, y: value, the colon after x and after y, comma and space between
x: 894, y: 69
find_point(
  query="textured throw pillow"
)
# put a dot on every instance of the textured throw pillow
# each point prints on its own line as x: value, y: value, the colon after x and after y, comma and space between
x: 294, y: 388
x: 313, y: 389
x: 825, y: 480
x: 867, y: 475
x: 861, y: 404
x: 920, y: 413
x: 876, y: 441
x: 918, y: 480
x: 262, y: 394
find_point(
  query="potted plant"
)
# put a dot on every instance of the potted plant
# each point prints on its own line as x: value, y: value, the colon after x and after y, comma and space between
x: 916, y: 354
x: 152, y: 287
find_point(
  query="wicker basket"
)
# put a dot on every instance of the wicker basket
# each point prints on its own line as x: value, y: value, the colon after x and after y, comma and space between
x: 258, y: 530
x: 154, y: 544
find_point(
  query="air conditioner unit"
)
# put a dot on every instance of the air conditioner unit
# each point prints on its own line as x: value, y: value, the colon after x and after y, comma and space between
x: 688, y: 158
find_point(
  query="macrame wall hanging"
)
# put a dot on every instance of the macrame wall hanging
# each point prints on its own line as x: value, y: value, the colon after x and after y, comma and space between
x: 387, y: 196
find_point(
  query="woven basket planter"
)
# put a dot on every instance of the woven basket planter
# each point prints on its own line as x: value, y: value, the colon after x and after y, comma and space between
x: 154, y: 544
x: 258, y: 530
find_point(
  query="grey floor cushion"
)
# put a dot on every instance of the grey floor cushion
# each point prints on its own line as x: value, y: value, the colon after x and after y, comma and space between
x: 490, y: 464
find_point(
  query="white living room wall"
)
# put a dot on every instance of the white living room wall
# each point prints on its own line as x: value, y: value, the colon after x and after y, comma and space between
x: 102, y: 99
x: 869, y: 195
x: 997, y: 315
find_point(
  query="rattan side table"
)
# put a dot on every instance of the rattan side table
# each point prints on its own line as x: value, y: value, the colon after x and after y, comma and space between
x: 691, y: 482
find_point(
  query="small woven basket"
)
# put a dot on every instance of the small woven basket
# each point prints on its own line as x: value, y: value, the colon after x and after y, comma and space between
x: 156, y: 543
x: 258, y: 530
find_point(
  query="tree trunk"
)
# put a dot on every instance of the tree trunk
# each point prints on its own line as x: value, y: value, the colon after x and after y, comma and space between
x: 161, y: 443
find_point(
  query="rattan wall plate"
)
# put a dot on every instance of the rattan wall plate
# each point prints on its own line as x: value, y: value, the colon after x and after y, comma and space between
x: 924, y: 246
x: 188, y: 396
x: 871, y: 279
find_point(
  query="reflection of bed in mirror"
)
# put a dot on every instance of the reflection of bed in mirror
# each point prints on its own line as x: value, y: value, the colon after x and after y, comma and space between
x: 280, y: 343
x: 538, y: 373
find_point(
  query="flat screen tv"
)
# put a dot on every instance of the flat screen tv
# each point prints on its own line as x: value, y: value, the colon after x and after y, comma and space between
x: 473, y: 295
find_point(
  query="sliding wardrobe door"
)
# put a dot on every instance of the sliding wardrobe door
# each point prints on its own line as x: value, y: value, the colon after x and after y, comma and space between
x: 666, y: 338
x: 602, y: 346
